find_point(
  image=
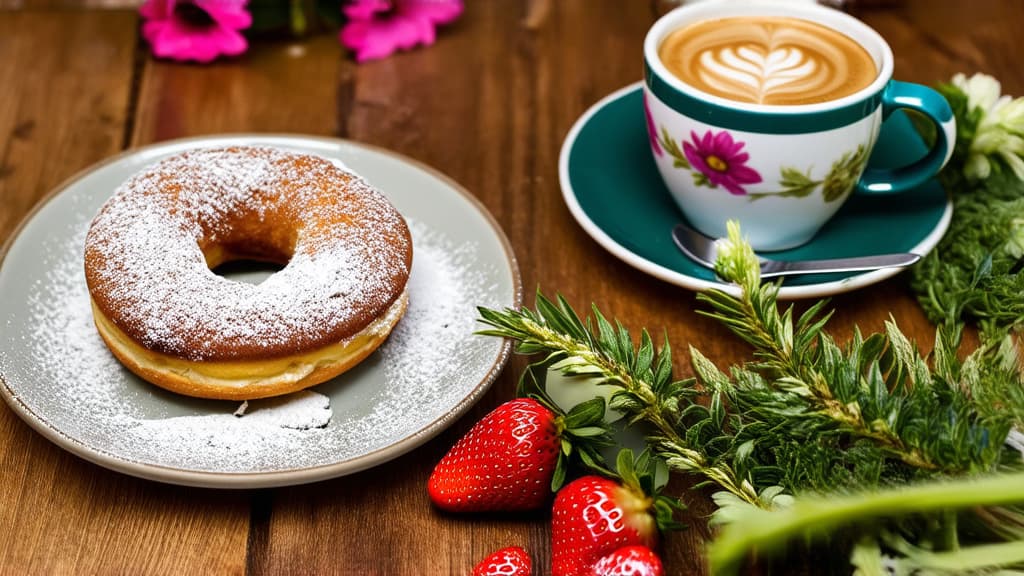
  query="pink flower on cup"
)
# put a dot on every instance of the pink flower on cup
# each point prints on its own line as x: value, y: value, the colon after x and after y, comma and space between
x: 719, y: 158
x: 199, y: 30
x: 376, y: 28
x: 652, y: 132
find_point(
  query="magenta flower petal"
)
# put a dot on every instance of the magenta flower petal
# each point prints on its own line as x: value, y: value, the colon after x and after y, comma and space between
x: 733, y: 188
x: 231, y: 18
x: 377, y: 28
x: 719, y: 158
x: 198, y: 30
x: 373, y: 40
x: 354, y: 34
x: 733, y: 149
x: 693, y: 155
x: 157, y: 9
x: 722, y: 142
x: 708, y: 142
x: 745, y: 175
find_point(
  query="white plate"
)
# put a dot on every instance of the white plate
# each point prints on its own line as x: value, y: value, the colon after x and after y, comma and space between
x: 59, y: 377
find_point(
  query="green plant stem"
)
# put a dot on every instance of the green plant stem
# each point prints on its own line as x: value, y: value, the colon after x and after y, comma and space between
x: 757, y: 529
x: 759, y: 314
x: 671, y: 446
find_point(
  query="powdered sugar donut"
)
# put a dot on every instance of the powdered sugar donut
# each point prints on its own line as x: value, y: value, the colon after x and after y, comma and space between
x: 150, y: 251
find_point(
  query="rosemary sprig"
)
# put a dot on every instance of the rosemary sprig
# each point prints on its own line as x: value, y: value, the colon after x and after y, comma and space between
x: 806, y: 414
x: 646, y: 392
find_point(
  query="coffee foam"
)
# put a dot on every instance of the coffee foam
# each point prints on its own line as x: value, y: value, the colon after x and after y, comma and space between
x: 768, y: 60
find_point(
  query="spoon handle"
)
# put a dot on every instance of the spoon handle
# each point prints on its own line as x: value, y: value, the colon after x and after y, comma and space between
x: 773, y: 268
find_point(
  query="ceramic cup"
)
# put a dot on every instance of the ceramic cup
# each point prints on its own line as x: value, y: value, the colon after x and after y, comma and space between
x: 780, y: 170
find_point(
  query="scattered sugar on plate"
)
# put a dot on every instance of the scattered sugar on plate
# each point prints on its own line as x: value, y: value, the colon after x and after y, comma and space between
x: 431, y: 361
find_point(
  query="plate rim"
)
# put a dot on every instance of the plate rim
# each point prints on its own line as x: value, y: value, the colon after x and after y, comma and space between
x: 815, y: 290
x: 273, y: 478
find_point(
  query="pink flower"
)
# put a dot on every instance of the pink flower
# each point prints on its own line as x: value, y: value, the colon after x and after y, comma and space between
x: 652, y: 132
x: 199, y: 30
x: 718, y: 157
x: 376, y: 28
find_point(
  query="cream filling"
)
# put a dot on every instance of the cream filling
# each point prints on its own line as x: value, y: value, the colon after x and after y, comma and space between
x: 249, y: 373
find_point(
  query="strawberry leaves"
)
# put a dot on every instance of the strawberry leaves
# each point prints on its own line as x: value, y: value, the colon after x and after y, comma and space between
x: 582, y: 431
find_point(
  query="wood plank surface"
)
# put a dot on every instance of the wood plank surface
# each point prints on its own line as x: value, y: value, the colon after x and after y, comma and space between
x: 65, y: 87
x: 489, y: 105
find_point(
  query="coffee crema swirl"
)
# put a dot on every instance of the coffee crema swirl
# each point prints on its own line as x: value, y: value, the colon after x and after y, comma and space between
x: 768, y: 60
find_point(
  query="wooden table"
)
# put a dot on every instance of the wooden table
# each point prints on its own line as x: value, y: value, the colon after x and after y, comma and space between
x: 489, y: 105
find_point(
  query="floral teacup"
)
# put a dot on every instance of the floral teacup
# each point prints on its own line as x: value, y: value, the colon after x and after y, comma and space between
x: 780, y: 170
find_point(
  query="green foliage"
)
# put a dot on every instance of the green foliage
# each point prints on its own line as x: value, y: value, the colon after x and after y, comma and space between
x: 919, y: 459
x: 844, y: 174
x: 796, y: 184
x: 672, y: 149
x: 973, y: 275
x: 806, y: 415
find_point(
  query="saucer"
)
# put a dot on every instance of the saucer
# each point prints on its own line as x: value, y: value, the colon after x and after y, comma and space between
x: 613, y: 189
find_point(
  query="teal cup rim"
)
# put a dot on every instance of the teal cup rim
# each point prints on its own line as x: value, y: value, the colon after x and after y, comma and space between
x: 766, y: 118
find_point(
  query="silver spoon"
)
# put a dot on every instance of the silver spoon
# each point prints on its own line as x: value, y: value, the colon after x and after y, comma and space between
x: 704, y: 250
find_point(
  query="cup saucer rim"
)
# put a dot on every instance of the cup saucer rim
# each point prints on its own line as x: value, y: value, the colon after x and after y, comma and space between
x: 812, y: 290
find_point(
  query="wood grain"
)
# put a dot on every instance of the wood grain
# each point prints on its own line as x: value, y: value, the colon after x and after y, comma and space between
x: 489, y: 104
x: 275, y: 87
x: 932, y: 41
x: 64, y: 102
x: 66, y: 83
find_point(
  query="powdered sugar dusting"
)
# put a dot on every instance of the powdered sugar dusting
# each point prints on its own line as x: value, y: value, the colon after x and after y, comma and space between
x: 146, y: 265
x: 63, y: 371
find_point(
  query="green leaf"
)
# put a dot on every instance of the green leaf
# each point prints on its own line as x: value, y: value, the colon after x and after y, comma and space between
x: 645, y: 355
x: 586, y: 413
x: 606, y: 336
x: 624, y: 465
x: 589, y: 431
x: 796, y: 184
x: 558, y: 477
x: 701, y: 180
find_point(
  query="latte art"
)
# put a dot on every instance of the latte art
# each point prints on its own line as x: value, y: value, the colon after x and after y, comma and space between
x: 768, y: 60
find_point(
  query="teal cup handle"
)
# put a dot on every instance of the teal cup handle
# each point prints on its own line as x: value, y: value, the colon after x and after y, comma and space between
x: 907, y: 96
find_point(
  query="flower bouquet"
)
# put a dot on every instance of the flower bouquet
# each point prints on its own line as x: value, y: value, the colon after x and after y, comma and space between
x: 204, y: 30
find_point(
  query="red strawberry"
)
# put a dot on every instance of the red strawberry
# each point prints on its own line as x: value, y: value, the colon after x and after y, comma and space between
x: 508, y: 460
x: 595, y: 516
x: 629, y: 561
x: 511, y: 561
x: 504, y: 462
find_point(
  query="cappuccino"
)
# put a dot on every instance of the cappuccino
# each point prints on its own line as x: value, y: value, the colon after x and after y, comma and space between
x: 768, y: 60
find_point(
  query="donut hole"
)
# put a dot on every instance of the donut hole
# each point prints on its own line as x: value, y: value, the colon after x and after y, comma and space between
x: 249, y: 263
x: 247, y: 270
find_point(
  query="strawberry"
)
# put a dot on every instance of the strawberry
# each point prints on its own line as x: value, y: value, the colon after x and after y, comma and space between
x: 629, y: 561
x: 513, y: 458
x: 511, y: 561
x: 594, y: 516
